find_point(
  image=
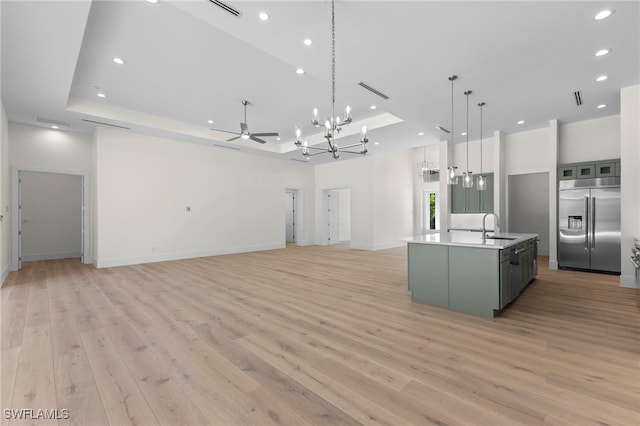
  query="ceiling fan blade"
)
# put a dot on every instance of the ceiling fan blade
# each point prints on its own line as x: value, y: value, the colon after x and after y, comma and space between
x: 224, y: 131
x: 244, y: 129
x: 233, y: 139
x: 253, y: 138
x: 265, y: 134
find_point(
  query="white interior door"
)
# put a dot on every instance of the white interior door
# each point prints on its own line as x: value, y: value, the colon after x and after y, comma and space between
x: 333, y: 217
x: 82, y: 224
x: 19, y: 220
x: 290, y: 216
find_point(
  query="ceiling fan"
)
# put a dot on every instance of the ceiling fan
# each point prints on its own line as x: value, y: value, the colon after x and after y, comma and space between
x: 244, y: 130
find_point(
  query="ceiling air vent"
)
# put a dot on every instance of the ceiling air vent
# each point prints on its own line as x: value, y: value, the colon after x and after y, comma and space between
x: 442, y: 129
x: 49, y: 122
x: 578, y: 95
x: 227, y: 147
x: 372, y: 90
x: 106, y: 124
x: 227, y: 8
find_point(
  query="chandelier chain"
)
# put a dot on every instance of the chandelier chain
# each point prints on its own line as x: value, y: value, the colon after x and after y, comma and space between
x: 333, y: 59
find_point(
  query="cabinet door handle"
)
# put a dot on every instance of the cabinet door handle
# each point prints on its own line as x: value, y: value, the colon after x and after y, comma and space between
x: 593, y: 223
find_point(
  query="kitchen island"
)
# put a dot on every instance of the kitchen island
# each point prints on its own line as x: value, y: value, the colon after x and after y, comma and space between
x: 465, y: 272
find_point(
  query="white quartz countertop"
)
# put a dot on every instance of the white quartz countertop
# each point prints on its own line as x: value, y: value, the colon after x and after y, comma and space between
x: 472, y: 239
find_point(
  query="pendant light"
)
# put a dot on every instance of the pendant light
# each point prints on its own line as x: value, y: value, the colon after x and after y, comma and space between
x: 452, y: 178
x: 482, y: 180
x: 467, y: 176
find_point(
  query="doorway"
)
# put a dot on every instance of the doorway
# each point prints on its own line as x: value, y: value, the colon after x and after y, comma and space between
x: 430, y: 211
x: 50, y: 218
x: 290, y: 215
x: 528, y: 206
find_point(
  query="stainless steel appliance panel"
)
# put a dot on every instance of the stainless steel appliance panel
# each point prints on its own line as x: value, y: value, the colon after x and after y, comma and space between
x: 573, y: 224
x: 604, y: 232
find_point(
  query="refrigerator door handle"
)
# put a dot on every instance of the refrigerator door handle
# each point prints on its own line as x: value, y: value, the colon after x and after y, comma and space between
x: 593, y: 223
x: 586, y: 223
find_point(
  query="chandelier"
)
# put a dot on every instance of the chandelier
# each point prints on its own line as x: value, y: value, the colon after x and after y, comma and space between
x: 426, y: 170
x: 332, y: 125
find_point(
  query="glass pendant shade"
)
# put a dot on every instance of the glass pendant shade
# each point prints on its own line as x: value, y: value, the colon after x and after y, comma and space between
x: 452, y: 178
x: 482, y: 183
x: 467, y: 179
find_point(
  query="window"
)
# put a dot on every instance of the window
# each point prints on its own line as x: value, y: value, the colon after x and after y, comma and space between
x: 430, y: 211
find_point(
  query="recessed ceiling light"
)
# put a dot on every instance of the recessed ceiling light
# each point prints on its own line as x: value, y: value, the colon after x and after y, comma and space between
x: 210, y: 121
x: 308, y: 42
x: 278, y: 138
x: 101, y: 95
x: 299, y: 71
x: 421, y: 134
x: 119, y: 61
x: 376, y: 143
x: 601, y: 106
x: 373, y: 107
x: 602, y: 52
x: 603, y: 14
x: 152, y: 1
x: 521, y: 122
x: 264, y: 16
x: 463, y: 134
x: 602, y: 78
x: 55, y: 127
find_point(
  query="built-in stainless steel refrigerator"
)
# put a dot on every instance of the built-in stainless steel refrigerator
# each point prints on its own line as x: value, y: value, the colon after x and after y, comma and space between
x: 589, y: 224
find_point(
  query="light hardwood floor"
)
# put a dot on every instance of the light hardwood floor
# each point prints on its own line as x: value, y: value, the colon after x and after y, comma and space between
x: 311, y: 336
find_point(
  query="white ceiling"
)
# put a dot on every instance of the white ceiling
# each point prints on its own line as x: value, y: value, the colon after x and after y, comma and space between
x: 189, y: 61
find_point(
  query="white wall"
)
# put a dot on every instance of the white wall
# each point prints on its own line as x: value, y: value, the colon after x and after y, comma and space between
x: 393, y: 198
x: 381, y: 197
x: 35, y: 147
x: 597, y: 139
x: 630, y: 179
x: 51, y: 216
x: 355, y: 174
x: 5, y: 197
x: 145, y: 185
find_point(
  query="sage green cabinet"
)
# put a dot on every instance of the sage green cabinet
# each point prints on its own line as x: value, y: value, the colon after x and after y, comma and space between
x: 505, y: 279
x: 486, y: 196
x: 429, y: 273
x: 566, y: 172
x: 606, y: 168
x: 586, y: 171
x: 474, y: 275
x: 470, y: 200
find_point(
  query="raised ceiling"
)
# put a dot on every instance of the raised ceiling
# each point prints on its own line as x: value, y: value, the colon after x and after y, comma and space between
x: 187, y: 62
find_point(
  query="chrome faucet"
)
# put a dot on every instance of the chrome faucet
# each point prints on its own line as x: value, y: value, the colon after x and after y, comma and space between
x: 496, y: 223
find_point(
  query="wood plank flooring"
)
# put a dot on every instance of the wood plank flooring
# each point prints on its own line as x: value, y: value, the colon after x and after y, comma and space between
x: 310, y: 336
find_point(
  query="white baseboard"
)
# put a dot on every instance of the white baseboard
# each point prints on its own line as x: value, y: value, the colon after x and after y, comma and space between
x: 49, y: 256
x: 629, y: 281
x: 553, y: 264
x: 109, y: 263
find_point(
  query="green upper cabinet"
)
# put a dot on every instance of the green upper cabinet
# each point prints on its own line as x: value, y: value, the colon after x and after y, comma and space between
x: 486, y: 196
x: 470, y: 200
x: 594, y: 169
